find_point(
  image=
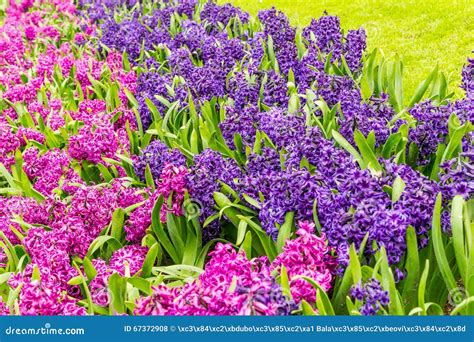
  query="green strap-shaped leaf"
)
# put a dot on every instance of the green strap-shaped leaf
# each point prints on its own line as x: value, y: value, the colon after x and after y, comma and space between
x: 412, y: 265
x: 423, y: 87
x: 439, y: 247
x: 285, y: 230
x: 349, y: 148
x: 367, y: 152
x: 322, y: 300
x: 160, y: 233
x: 457, y: 228
x: 118, y: 291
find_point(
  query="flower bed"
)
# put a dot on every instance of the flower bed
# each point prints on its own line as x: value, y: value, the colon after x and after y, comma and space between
x: 184, y: 158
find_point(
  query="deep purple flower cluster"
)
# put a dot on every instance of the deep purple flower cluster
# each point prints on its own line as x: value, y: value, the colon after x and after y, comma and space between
x: 241, y: 122
x: 215, y: 14
x: 204, y: 178
x: 431, y: 128
x: 468, y: 78
x: 327, y: 33
x: 290, y: 191
x: 371, y: 295
x: 457, y: 177
x: 156, y: 155
x: 354, y: 48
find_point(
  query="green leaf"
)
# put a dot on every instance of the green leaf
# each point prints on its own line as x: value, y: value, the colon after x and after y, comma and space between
x: 457, y: 228
x: 423, y: 87
x: 89, y: 268
x: 391, y: 143
x: 191, y: 247
x: 241, y: 232
x: 226, y: 207
x: 307, y: 309
x: 118, y: 290
x: 160, y: 233
x: 349, y: 148
x: 7, y: 176
x: 352, y: 275
x: 316, y: 218
x: 175, y: 233
x: 455, y: 142
x: 149, y: 261
x: 4, y: 277
x: 322, y: 300
x: 397, y: 189
x: 252, y: 201
x: 367, y: 152
x: 412, y: 266
x: 77, y: 280
x: 395, y: 87
x: 439, y: 246
x: 285, y: 230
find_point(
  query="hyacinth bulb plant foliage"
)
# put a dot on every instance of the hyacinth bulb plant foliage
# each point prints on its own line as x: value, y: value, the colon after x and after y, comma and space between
x: 184, y: 158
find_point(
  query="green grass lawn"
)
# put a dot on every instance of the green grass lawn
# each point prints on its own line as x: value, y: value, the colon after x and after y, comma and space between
x: 423, y: 33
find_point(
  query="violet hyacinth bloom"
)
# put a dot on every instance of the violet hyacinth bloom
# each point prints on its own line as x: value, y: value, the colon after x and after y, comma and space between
x: 372, y: 296
x: 282, y: 129
x: 172, y: 186
x: 290, y: 191
x: 431, y: 129
x: 240, y: 121
x: 354, y: 48
x: 203, y: 180
x: 468, y: 78
x: 156, y: 155
x: 214, y: 14
x: 327, y: 31
x: 277, y: 25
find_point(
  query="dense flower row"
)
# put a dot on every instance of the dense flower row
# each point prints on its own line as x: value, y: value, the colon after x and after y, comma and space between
x: 103, y: 118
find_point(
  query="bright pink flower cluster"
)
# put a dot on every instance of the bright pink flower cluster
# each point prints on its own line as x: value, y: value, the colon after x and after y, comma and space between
x: 233, y: 285
x: 307, y: 255
x: 172, y: 185
x: 230, y: 285
x: 127, y: 260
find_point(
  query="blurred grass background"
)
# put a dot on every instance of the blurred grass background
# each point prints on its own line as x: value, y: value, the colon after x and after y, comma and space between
x: 423, y: 33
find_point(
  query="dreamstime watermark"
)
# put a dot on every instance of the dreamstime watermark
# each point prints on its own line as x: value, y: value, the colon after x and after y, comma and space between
x: 192, y: 208
x: 457, y: 295
x: 46, y: 330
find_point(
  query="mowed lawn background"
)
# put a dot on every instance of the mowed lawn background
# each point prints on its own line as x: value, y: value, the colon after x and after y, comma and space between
x: 423, y: 33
